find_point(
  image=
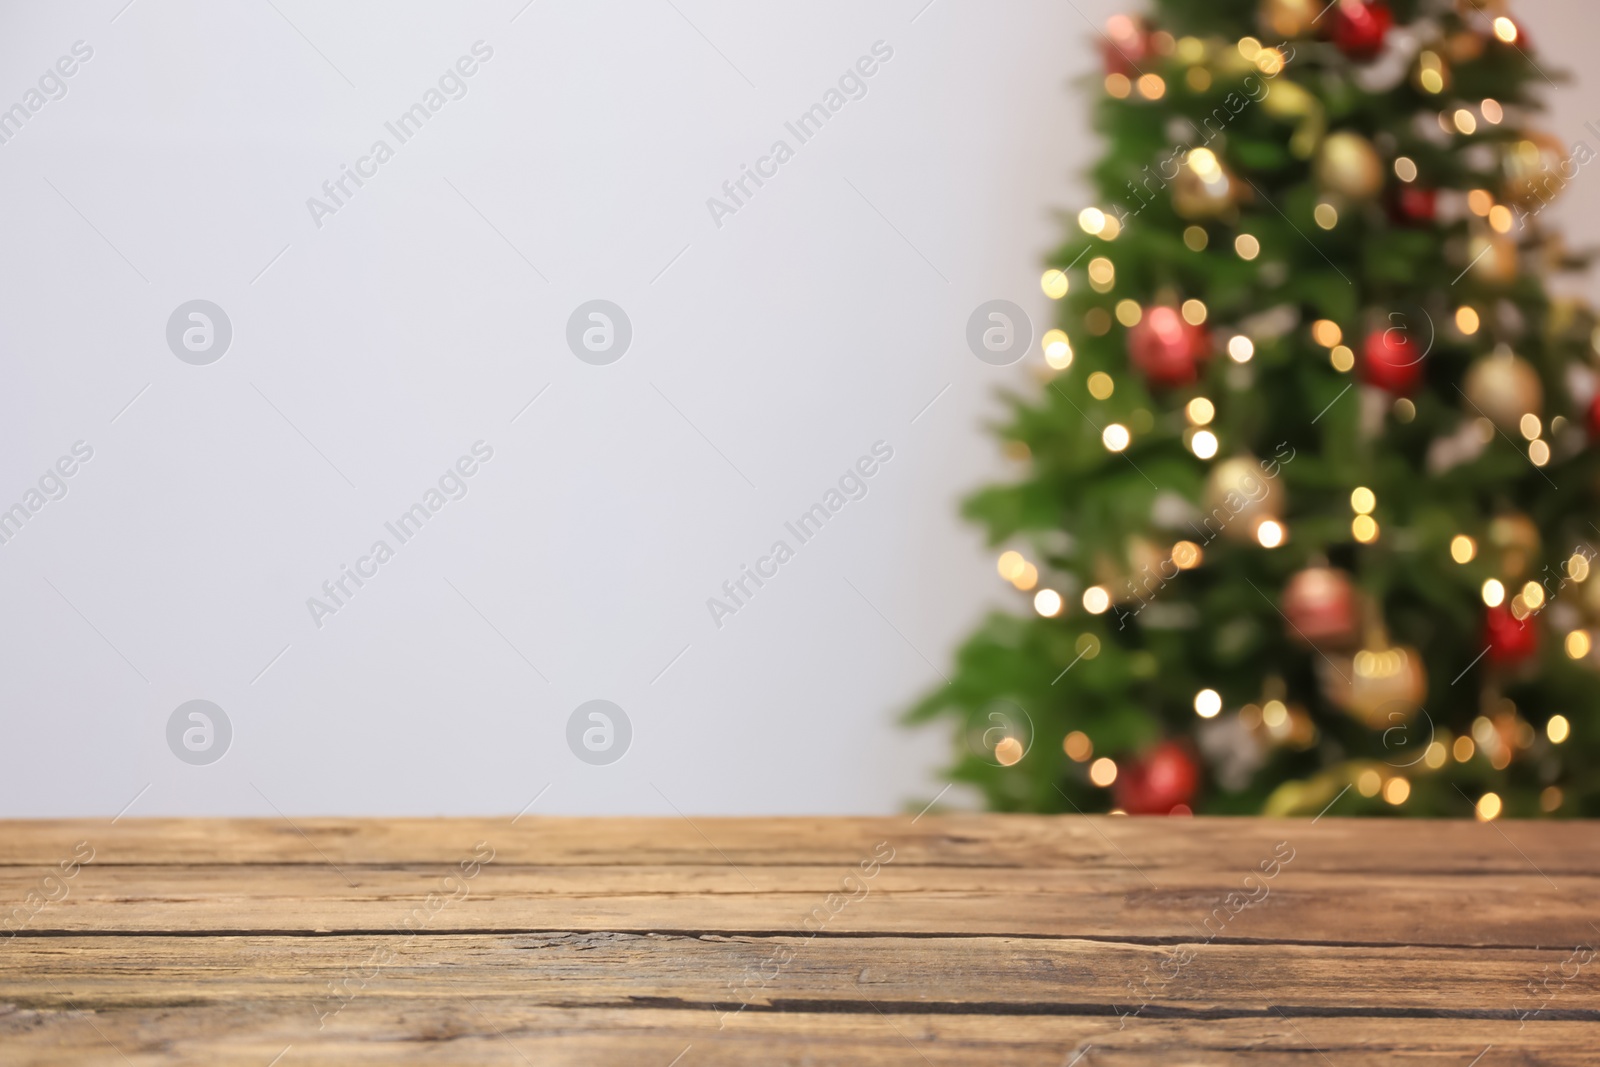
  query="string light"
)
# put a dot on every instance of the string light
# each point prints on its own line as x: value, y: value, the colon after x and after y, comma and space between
x: 1342, y: 358
x: 1196, y: 238
x: 1363, y: 500
x: 1500, y: 219
x: 1200, y: 411
x: 1057, y: 349
x: 1103, y: 772
x: 1274, y: 715
x: 1578, y: 567
x: 1092, y: 221
x: 1494, y: 594
x: 1396, y: 790
x: 1550, y: 799
x: 1270, y: 534
x: 1505, y: 29
x: 1152, y: 87
x: 1488, y: 807
x: 1327, y: 215
x: 1011, y: 565
x: 1054, y: 284
x: 1203, y: 443
x: 1467, y: 320
x: 1364, y: 528
x: 1533, y: 596
x: 1027, y: 579
x: 1096, y: 600
x: 1129, y: 313
x: 1008, y: 751
x: 1247, y: 246
x: 1479, y: 202
x: 1241, y: 348
x: 1435, y: 755
x: 1102, y: 274
x: 1465, y: 122
x: 1404, y: 409
x: 1047, y: 602
x: 1405, y: 169
x: 1207, y: 703
x: 1118, y: 86
x: 1558, y: 729
x: 1115, y: 437
x: 1368, y: 782
x: 1198, y: 79
x: 1463, y: 548
x: 1463, y: 749
x: 1492, y: 110
x: 1101, y: 385
x: 1539, y: 453
x: 1430, y: 72
x: 1194, y: 312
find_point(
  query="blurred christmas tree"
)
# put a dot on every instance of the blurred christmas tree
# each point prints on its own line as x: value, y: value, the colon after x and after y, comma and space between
x: 1309, y: 490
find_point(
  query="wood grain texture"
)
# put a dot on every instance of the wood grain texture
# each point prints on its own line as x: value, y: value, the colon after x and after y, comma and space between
x: 944, y: 940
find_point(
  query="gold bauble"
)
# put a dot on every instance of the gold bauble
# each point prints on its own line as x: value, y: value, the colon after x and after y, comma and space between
x: 1503, y: 388
x: 1239, y: 497
x: 1514, y: 540
x: 1289, y: 101
x: 1493, y: 259
x: 1536, y: 169
x: 1382, y: 686
x: 1348, y: 164
x: 1197, y: 198
x: 1288, y: 18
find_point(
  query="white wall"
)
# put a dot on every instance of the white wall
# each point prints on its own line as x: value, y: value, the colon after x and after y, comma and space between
x: 425, y: 313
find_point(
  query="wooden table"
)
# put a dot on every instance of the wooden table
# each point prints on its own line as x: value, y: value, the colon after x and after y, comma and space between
x: 989, y: 940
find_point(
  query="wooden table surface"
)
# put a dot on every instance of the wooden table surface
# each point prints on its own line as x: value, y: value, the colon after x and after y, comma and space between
x: 990, y: 940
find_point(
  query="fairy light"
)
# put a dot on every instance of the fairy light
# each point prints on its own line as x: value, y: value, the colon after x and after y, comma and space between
x: 1364, y: 528
x: 1203, y: 162
x: 1494, y: 594
x: 1500, y: 219
x: 1578, y: 644
x: 1342, y: 358
x: 1578, y: 567
x: 1363, y: 500
x: 1027, y: 579
x: 1047, y: 602
x: 1488, y: 807
x: 1097, y: 322
x: 1558, y: 729
x: 1492, y: 111
x: 1010, y: 565
x: 1539, y: 453
x: 1274, y: 715
x: 1194, y: 312
x: 1102, y: 274
x: 1057, y: 349
x: 1465, y: 122
x: 1404, y: 409
x: 1396, y: 790
x: 1368, y: 782
x: 1203, y: 443
x: 1463, y: 548
x: 1550, y: 799
x: 1467, y: 320
x: 1115, y: 437
x: 1326, y: 333
x: 1008, y: 751
x: 1118, y: 86
x: 1152, y: 86
x: 1096, y: 600
x: 1405, y: 169
x: 1430, y: 72
x: 1463, y: 749
x: 1092, y: 221
x: 1103, y: 772
x: 1247, y: 246
x: 1113, y: 227
x: 1186, y: 555
x: 1198, y: 79
x: 1269, y: 61
x: 1200, y: 411
x: 1326, y: 214
x: 1207, y: 703
x: 1195, y: 238
x: 1479, y: 202
x: 1241, y: 348
x: 1504, y: 29
x: 1435, y: 755
x: 1101, y: 385
x: 1129, y: 313
x: 1533, y: 596
x: 1054, y: 284
x: 1270, y: 534
x: 1077, y: 746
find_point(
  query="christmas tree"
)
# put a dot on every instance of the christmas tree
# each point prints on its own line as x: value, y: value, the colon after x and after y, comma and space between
x: 1309, y: 494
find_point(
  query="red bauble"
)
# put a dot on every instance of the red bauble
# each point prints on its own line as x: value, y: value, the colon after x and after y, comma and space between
x: 1320, y: 605
x: 1359, y: 27
x: 1159, y: 781
x: 1414, y: 204
x: 1125, y: 45
x: 1392, y: 361
x: 1166, y: 349
x: 1510, y: 640
x: 1594, y: 418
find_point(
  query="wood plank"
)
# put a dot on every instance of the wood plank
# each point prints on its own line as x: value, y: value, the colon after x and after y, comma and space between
x: 497, y: 1032
x: 1095, y: 842
x: 727, y: 975
x: 1299, y: 905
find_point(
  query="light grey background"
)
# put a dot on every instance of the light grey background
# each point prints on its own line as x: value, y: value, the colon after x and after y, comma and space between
x: 367, y: 355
